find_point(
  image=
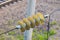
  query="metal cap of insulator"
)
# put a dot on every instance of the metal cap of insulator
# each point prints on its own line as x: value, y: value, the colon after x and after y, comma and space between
x: 23, y: 25
x: 28, y: 24
x: 41, y: 16
x: 36, y: 19
x: 32, y: 21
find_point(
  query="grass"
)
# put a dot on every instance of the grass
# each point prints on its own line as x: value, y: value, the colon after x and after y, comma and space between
x: 53, y: 23
x: 35, y: 36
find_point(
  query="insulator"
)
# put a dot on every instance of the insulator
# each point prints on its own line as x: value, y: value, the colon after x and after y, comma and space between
x: 31, y: 22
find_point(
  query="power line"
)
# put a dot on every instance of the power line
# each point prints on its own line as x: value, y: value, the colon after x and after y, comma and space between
x: 8, y: 31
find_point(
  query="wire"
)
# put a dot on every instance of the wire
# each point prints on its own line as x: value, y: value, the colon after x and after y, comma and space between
x: 48, y: 31
x: 8, y: 31
x: 48, y: 28
x: 17, y: 27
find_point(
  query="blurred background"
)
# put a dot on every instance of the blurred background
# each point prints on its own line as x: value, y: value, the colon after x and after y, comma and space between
x: 9, y: 15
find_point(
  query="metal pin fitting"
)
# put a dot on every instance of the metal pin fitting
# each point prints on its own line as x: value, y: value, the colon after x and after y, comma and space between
x: 18, y: 27
x: 28, y: 24
x: 46, y: 16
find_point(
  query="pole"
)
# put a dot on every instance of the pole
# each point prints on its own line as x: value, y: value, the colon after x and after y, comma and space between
x: 30, y: 11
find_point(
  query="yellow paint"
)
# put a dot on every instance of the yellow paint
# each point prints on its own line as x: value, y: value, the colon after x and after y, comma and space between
x: 40, y: 15
x: 36, y: 19
x: 22, y: 24
x: 32, y: 22
x: 27, y: 22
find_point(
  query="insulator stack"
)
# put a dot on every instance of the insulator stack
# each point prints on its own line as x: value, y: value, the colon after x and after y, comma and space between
x: 31, y: 22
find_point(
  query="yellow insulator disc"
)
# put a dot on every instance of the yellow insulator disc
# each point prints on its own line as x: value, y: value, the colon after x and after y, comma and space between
x: 40, y: 15
x: 23, y: 25
x: 41, y: 22
x: 27, y: 22
x: 32, y: 22
x: 36, y: 20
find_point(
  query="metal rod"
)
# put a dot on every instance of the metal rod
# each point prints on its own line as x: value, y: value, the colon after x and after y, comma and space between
x: 30, y: 11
